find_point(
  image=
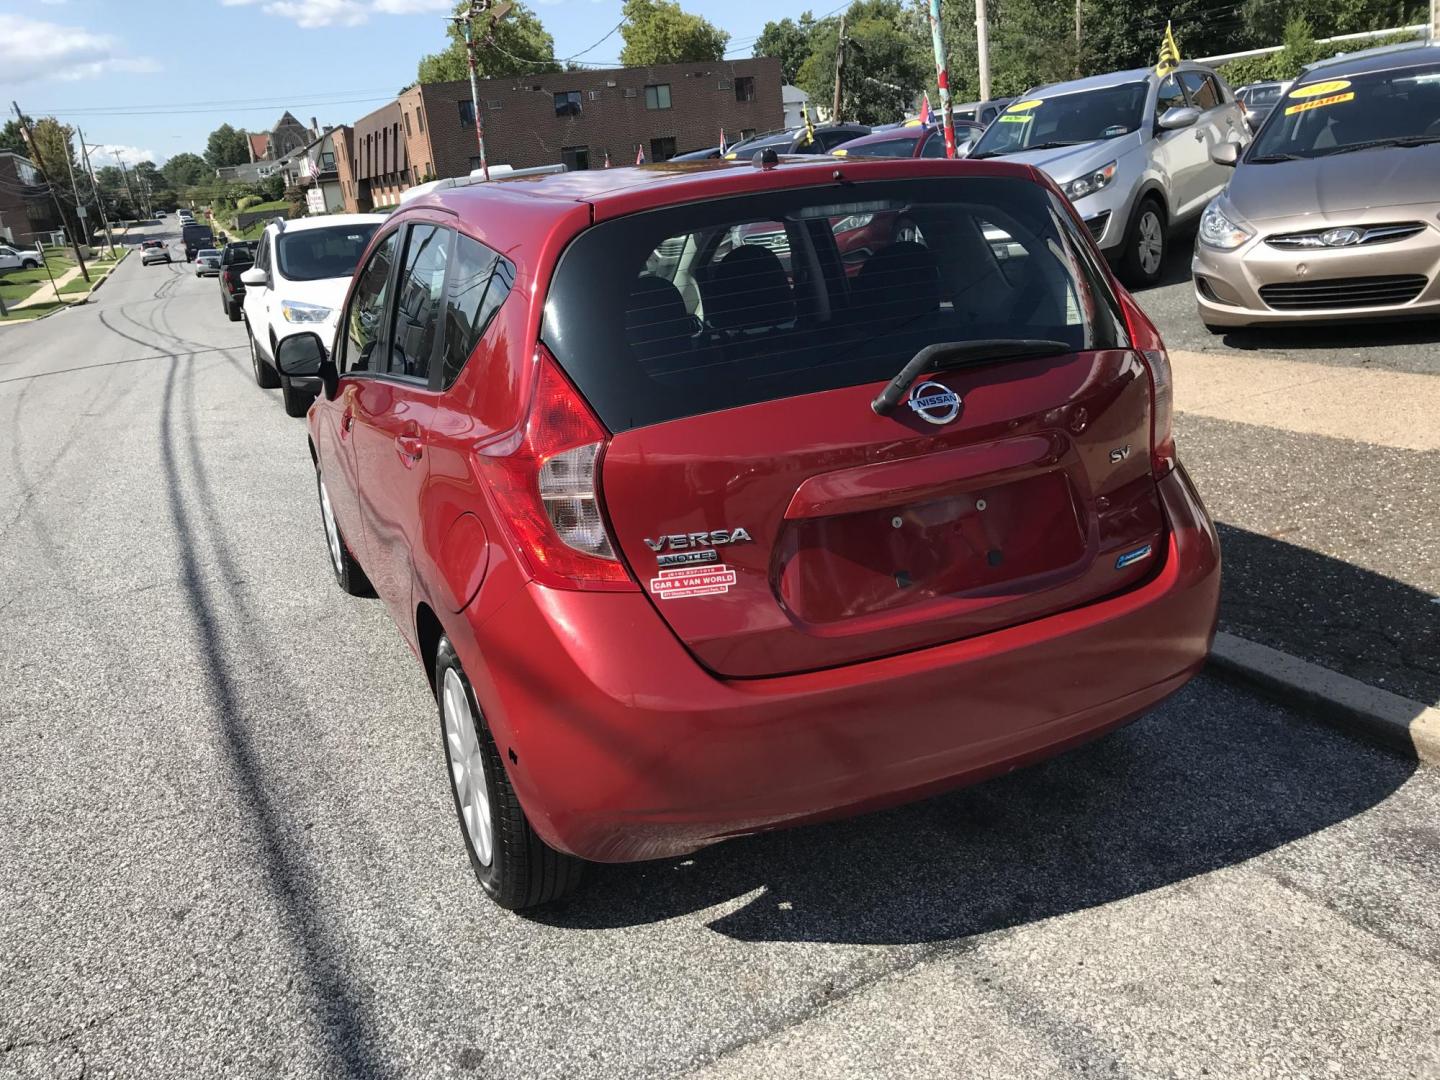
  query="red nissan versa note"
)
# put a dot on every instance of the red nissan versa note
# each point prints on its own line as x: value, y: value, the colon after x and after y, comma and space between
x: 696, y: 533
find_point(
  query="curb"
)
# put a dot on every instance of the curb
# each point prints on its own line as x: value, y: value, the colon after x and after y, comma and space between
x: 1378, y: 715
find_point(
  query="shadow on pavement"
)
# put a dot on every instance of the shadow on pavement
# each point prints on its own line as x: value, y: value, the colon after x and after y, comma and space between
x: 1208, y: 780
x: 1374, y: 335
x: 1332, y: 613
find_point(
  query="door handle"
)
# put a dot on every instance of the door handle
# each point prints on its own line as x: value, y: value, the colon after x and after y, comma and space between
x: 409, y: 446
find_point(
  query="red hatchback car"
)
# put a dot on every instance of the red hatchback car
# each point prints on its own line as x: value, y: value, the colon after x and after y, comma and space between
x: 698, y: 534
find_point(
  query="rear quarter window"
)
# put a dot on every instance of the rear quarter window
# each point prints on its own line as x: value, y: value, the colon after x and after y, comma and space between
x: 694, y: 309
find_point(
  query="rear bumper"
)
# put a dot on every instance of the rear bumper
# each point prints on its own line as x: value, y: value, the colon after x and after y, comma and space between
x: 625, y: 748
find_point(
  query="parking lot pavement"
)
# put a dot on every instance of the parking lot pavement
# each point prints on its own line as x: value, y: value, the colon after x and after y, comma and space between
x: 1318, y: 453
x: 229, y: 849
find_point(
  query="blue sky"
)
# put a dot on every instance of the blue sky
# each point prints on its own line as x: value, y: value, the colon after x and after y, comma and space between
x: 154, y: 77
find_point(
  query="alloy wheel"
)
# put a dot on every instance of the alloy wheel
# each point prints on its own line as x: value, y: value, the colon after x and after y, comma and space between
x: 1150, y: 242
x: 467, y: 766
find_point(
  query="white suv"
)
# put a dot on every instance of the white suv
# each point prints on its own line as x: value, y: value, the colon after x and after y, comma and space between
x: 301, y: 273
x: 20, y: 259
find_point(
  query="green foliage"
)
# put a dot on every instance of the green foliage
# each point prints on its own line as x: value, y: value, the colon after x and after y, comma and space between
x: 888, y: 62
x: 245, y: 202
x: 1267, y: 21
x: 1300, y: 49
x: 53, y: 140
x: 788, y: 42
x: 226, y: 146
x: 519, y: 45
x: 186, y: 170
x: 273, y: 186
x: 662, y: 32
x: 12, y: 139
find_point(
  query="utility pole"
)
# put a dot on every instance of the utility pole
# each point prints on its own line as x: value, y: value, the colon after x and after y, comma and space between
x: 1079, y: 36
x: 982, y: 48
x: 54, y: 191
x: 125, y: 177
x: 1435, y: 22
x: 80, y: 214
x: 840, y: 46
x: 942, y: 78
x: 95, y: 187
x: 467, y: 28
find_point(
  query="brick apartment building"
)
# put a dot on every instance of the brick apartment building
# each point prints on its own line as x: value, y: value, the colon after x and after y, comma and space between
x: 575, y: 117
x: 26, y: 211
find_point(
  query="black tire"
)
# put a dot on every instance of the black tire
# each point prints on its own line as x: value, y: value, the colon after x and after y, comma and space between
x: 522, y: 870
x: 266, y: 377
x: 232, y: 309
x: 348, y: 572
x: 29, y: 264
x: 1139, y: 266
x: 297, y: 402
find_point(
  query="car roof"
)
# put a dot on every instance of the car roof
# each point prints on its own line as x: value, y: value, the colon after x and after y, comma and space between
x: 1382, y: 58
x: 631, y: 189
x: 913, y: 131
x: 330, y: 220
x: 1113, y: 78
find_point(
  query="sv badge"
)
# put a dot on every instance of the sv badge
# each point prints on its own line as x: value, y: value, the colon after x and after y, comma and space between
x: 1119, y: 454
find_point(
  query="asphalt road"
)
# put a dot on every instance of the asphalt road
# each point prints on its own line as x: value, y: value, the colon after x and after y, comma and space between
x: 229, y: 851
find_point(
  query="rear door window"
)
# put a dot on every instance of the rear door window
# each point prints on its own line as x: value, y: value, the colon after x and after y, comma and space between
x: 419, y: 293
x: 693, y: 309
x: 1201, y: 88
x: 479, y: 284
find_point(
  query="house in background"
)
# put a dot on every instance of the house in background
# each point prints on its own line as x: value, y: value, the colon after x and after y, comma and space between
x: 287, y: 136
x: 318, y: 174
x: 794, y: 100
x: 26, y: 212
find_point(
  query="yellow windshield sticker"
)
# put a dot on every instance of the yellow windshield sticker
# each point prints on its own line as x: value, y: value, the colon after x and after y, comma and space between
x: 1018, y: 118
x: 1023, y: 106
x: 731, y: 156
x: 839, y: 152
x: 1320, y: 89
x: 1317, y: 103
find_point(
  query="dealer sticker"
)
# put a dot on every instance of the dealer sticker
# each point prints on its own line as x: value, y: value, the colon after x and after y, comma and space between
x: 1318, y: 103
x: 687, y: 581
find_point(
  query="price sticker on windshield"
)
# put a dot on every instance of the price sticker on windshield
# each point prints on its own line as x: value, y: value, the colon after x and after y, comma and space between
x: 1320, y: 103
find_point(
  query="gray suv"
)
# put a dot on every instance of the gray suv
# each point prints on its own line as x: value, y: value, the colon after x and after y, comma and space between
x: 1131, y: 149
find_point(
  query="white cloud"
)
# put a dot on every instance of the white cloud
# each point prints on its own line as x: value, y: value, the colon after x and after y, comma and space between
x: 317, y: 13
x: 103, y: 154
x: 36, y: 50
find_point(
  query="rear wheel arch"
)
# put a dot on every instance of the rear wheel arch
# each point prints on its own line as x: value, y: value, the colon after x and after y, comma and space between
x: 428, y: 632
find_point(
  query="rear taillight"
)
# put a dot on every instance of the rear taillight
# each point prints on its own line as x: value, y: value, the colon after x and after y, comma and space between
x: 546, y: 481
x: 1145, y: 340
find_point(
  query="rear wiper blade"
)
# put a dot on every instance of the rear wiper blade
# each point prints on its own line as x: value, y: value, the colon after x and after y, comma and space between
x: 945, y: 355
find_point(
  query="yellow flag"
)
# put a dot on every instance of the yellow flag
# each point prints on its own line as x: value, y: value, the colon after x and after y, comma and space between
x: 1169, y: 53
x: 809, y: 127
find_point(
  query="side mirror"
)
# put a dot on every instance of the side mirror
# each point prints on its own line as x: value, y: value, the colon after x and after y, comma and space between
x: 303, y: 356
x: 1175, y: 119
x: 256, y: 276
x: 1227, y: 153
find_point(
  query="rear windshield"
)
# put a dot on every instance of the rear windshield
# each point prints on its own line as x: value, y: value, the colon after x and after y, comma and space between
x: 1263, y: 95
x: 314, y: 254
x: 901, y: 147
x: 698, y: 308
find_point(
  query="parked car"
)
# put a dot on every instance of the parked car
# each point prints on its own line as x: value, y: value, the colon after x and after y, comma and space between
x: 798, y: 141
x: 1257, y: 101
x: 235, y: 259
x: 301, y: 271
x: 1131, y: 149
x: 12, y: 258
x: 207, y: 262
x: 195, y: 238
x: 1332, y: 212
x: 911, y: 140
x: 702, y: 554
x: 154, y: 251
x: 981, y: 112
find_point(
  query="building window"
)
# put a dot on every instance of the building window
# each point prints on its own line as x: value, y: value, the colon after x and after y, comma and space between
x: 630, y: 92
x: 493, y: 104
x: 745, y: 88
x: 747, y: 133
x: 467, y: 112
x: 474, y: 162
x: 575, y: 157
x: 662, y: 149
x: 408, y: 132
x: 327, y: 161
x: 658, y: 96
x: 567, y: 103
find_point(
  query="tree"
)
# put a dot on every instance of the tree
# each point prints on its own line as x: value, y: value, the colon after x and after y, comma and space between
x: 186, y: 170
x: 886, y: 65
x: 12, y: 139
x: 662, y: 32
x: 226, y: 146
x: 54, y: 141
x: 519, y: 45
x: 272, y: 187
x: 788, y: 42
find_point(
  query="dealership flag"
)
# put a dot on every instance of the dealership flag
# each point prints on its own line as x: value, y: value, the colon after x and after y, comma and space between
x: 607, y: 159
x: 640, y: 155
x: 809, y: 127
x: 925, y: 110
x: 1169, y: 53
x: 723, y: 147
